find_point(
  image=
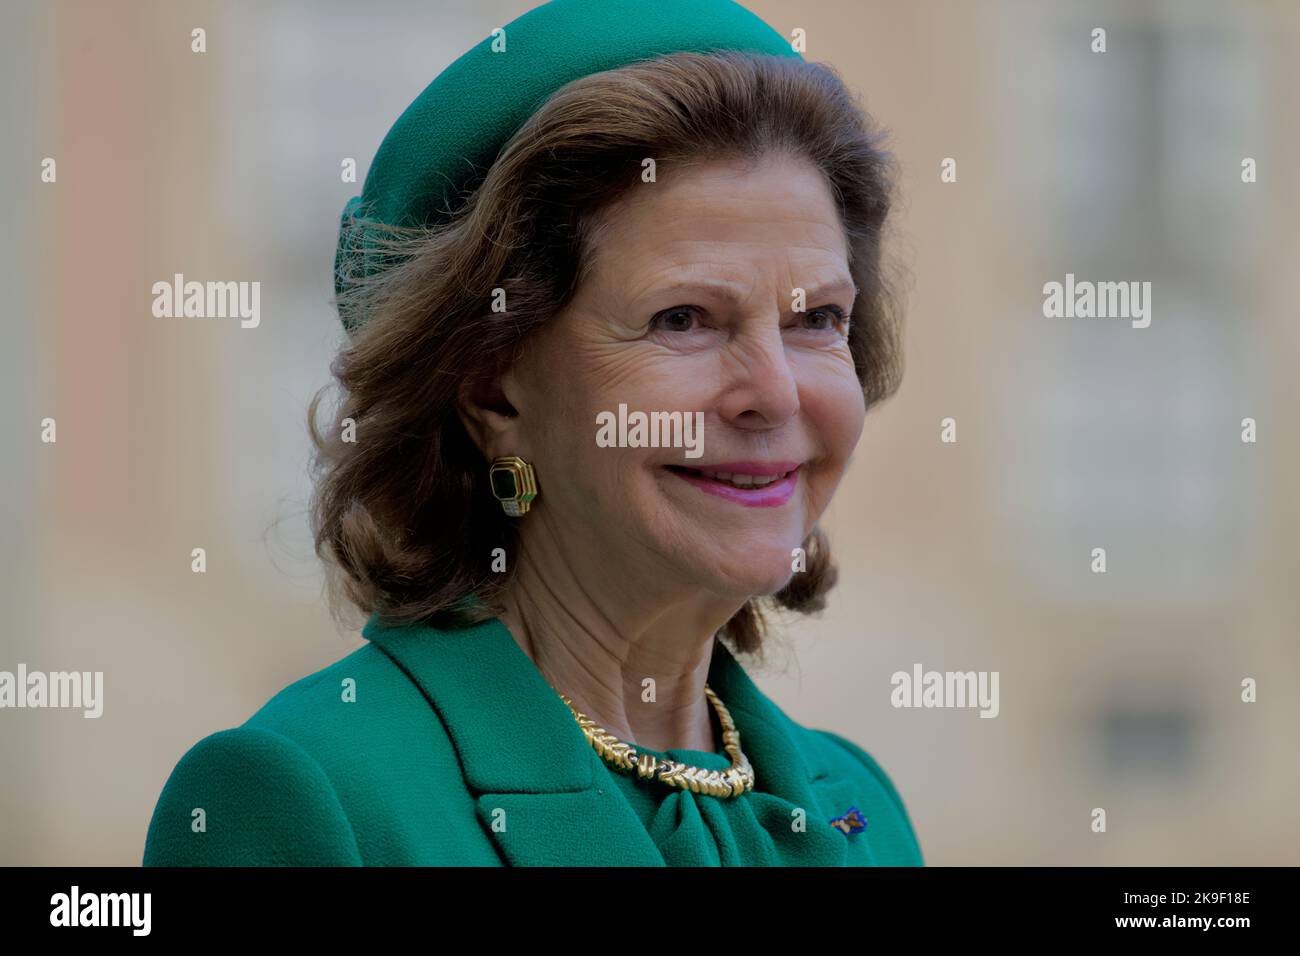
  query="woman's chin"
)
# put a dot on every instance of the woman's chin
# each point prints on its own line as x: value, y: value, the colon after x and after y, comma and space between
x: 744, y: 580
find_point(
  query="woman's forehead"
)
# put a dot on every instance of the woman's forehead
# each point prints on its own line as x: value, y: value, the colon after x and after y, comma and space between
x: 710, y: 227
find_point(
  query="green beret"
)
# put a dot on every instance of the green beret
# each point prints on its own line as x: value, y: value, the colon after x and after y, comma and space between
x: 455, y: 128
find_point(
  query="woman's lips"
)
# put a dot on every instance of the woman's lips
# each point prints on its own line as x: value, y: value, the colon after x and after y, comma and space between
x: 771, y: 495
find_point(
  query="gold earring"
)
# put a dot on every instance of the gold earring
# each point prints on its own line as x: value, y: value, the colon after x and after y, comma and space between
x: 514, y: 484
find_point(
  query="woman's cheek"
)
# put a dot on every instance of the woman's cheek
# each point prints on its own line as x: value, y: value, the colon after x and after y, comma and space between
x: 673, y: 384
x: 832, y: 399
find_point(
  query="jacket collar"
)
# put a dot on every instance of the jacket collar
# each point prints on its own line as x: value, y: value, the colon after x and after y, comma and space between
x: 521, y: 750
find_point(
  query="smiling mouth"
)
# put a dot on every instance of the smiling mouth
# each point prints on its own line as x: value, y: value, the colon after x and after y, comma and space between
x: 733, y: 480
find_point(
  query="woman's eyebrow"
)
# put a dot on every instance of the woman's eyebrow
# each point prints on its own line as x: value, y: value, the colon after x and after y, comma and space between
x: 724, y: 289
x: 825, y: 289
x: 735, y: 294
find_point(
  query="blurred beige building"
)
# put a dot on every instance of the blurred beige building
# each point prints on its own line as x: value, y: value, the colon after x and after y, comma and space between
x: 1119, y: 690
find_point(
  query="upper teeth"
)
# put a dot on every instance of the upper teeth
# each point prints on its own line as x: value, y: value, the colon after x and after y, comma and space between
x: 744, y: 480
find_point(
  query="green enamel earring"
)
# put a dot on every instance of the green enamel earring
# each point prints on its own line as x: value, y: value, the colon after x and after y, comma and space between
x: 514, y: 484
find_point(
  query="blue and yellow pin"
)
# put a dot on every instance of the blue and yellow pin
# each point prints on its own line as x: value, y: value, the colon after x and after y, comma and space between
x: 851, y: 822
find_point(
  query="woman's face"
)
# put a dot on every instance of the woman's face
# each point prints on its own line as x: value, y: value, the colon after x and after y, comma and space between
x: 689, y: 308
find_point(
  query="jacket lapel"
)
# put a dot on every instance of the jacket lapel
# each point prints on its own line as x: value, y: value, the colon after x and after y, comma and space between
x: 522, y: 753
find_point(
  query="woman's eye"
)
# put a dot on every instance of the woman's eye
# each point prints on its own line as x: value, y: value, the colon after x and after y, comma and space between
x: 676, y: 319
x: 827, y: 317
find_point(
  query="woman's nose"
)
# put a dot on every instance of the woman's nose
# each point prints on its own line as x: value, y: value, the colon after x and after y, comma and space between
x: 760, y: 386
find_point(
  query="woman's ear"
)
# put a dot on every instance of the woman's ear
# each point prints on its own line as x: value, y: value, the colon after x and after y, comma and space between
x: 488, y: 415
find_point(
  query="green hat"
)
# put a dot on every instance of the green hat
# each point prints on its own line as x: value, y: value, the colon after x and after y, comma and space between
x: 454, y: 129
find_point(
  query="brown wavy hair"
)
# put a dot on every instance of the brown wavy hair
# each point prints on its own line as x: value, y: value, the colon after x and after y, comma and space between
x: 402, y: 515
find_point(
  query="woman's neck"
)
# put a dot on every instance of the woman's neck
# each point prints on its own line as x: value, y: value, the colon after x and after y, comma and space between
x: 636, y: 667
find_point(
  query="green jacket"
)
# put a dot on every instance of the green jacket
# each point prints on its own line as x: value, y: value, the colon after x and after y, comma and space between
x: 417, y: 747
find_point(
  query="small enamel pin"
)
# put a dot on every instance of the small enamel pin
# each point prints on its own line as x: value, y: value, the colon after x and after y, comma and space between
x: 851, y: 822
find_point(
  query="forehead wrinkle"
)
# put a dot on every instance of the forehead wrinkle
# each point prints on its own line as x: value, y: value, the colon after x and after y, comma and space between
x: 734, y: 283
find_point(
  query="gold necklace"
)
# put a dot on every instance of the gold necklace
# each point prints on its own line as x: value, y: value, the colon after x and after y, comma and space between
x: 732, y: 782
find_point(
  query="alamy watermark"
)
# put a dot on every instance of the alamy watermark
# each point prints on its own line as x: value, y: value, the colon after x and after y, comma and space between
x: 75, y: 908
x: 923, y: 688
x: 1098, y: 300
x: 208, y: 300
x: 58, y: 689
x: 626, y: 429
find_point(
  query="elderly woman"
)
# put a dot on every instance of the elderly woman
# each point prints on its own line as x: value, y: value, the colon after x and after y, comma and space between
x: 616, y: 310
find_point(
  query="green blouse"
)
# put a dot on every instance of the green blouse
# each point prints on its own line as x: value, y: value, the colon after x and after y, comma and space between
x: 688, y: 829
x: 768, y: 826
x: 449, y: 748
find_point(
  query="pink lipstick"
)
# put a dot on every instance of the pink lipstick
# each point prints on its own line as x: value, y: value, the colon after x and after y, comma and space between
x: 755, y: 484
